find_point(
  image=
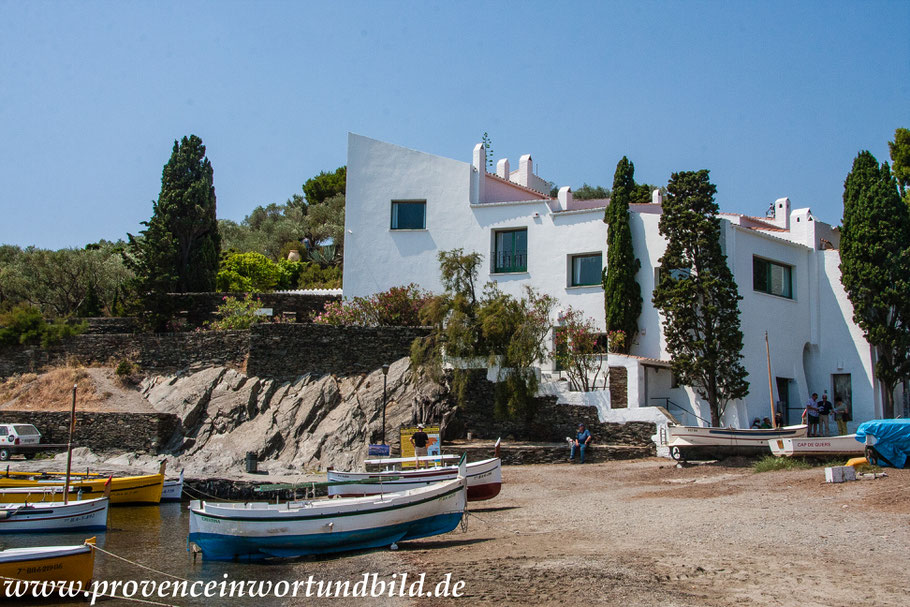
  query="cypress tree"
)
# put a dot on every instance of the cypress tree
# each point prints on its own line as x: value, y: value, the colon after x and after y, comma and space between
x: 179, y: 250
x: 622, y: 294
x: 698, y: 296
x: 875, y: 268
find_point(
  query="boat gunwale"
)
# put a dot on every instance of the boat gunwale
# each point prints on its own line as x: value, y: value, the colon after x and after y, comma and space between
x: 385, y: 507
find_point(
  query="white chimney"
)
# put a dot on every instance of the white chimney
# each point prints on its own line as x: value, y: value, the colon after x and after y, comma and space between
x: 657, y: 197
x: 565, y: 198
x: 502, y: 168
x: 478, y: 174
x: 782, y: 213
x: 525, y: 170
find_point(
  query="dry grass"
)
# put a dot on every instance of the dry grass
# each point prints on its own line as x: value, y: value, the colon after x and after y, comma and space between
x: 52, y: 390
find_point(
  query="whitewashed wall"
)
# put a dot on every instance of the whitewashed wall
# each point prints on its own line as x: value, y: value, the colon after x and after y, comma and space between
x: 811, y: 336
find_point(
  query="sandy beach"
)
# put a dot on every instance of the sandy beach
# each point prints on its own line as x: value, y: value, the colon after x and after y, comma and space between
x: 647, y: 533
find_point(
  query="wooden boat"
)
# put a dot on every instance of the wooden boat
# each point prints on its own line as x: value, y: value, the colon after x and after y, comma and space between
x: 818, y: 446
x: 707, y: 442
x: 64, y: 564
x: 41, y: 516
x: 259, y: 530
x: 484, y: 480
x: 143, y: 489
x: 172, y: 490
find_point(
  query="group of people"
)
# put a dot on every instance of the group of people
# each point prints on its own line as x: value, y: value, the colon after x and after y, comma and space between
x: 818, y: 413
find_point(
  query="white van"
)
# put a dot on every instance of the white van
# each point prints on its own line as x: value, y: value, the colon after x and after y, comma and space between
x: 13, y: 437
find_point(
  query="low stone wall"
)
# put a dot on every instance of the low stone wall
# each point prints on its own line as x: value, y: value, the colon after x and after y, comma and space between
x: 105, y: 325
x: 286, y: 351
x: 198, y: 308
x: 132, y: 432
x: 161, y: 352
x: 514, y: 455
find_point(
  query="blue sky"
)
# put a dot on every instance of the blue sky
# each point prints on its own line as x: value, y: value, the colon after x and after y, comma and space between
x: 775, y: 98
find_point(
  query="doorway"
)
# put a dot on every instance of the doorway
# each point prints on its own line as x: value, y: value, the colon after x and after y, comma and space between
x: 843, y: 389
x: 783, y: 399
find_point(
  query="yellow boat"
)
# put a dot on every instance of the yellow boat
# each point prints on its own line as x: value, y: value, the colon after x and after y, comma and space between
x: 19, y: 487
x: 50, y: 563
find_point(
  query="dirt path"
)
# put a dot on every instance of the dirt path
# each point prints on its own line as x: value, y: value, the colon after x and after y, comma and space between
x: 647, y: 533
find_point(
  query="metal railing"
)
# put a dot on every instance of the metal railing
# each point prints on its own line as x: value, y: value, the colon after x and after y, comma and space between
x: 669, y: 404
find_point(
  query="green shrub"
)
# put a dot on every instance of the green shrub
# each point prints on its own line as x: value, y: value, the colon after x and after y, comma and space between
x: 124, y: 368
x: 397, y: 307
x: 314, y: 276
x: 25, y: 325
x: 235, y: 314
x: 247, y: 272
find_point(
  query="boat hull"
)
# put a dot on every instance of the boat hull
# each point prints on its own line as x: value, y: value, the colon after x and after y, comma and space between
x: 257, y: 531
x: 49, y: 564
x: 145, y: 489
x: 54, y: 517
x: 817, y: 446
x: 172, y: 490
x: 697, y: 442
x: 484, y: 480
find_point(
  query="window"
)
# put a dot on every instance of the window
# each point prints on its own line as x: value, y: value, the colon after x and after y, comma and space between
x: 510, y: 253
x: 409, y: 214
x: 586, y: 270
x: 676, y: 274
x: 772, y: 278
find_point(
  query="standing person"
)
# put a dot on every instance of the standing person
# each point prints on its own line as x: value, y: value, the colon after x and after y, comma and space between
x: 840, y: 415
x: 582, y: 440
x: 420, y: 439
x: 812, y: 414
x: 824, y: 411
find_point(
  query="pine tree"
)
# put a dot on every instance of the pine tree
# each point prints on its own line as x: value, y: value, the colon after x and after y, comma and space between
x: 622, y: 294
x: 875, y: 268
x: 179, y: 250
x: 698, y: 296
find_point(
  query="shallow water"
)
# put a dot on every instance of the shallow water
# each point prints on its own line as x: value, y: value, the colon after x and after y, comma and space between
x: 155, y: 536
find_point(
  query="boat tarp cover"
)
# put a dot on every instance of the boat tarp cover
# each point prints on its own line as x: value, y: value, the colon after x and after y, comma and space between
x: 893, y: 439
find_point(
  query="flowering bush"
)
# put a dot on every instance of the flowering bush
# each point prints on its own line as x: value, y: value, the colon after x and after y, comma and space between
x: 398, y: 307
x: 236, y: 313
x: 617, y: 341
x: 576, y: 351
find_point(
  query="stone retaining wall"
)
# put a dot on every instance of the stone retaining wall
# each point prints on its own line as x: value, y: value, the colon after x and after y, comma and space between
x: 269, y: 350
x: 552, y: 423
x: 513, y: 455
x: 286, y: 351
x: 133, y: 432
x: 161, y: 352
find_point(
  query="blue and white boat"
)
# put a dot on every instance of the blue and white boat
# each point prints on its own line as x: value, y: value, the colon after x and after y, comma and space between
x: 50, y: 516
x: 259, y: 530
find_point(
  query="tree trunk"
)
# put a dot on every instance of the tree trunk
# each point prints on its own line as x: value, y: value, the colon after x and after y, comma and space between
x: 712, y: 402
x: 887, y: 401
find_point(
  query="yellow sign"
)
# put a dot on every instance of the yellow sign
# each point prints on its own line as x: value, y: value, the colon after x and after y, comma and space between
x: 407, y: 447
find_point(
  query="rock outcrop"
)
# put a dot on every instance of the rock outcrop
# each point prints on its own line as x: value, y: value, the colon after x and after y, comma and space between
x: 305, y: 425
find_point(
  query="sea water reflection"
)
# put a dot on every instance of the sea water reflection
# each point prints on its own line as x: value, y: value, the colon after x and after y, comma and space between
x: 155, y: 537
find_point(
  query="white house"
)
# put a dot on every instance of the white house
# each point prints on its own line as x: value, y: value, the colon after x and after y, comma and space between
x: 404, y: 206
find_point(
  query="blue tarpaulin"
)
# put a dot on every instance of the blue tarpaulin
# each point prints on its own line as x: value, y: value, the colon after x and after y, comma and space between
x: 893, y: 439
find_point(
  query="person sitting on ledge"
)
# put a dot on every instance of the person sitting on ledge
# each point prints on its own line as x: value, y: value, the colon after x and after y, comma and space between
x: 582, y: 440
